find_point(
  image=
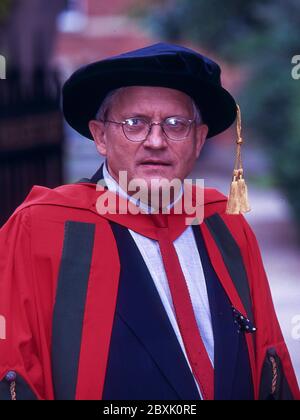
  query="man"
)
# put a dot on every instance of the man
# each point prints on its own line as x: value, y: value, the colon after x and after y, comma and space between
x: 102, y: 303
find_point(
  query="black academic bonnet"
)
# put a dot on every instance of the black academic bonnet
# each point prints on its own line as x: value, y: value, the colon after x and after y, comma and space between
x: 162, y: 64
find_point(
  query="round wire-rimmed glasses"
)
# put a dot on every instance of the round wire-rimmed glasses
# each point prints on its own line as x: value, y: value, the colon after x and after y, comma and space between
x: 137, y: 129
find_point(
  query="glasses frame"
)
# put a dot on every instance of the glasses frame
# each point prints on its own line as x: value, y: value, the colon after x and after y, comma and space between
x: 122, y: 123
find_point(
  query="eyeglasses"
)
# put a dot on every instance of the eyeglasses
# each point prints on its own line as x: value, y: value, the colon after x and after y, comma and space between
x: 137, y: 129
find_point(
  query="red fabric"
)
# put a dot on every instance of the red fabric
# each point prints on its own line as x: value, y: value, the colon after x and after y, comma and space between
x: 30, y: 252
x: 268, y: 333
x: 99, y: 311
x: 195, y: 349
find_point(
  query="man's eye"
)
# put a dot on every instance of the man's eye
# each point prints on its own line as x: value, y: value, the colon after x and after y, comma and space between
x: 172, y: 121
x: 134, y: 122
x: 176, y: 122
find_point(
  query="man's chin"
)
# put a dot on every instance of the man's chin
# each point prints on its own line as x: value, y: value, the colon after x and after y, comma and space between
x: 157, y: 191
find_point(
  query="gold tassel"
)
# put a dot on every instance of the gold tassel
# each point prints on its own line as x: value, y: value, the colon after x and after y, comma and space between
x: 243, y: 193
x: 233, y: 204
x: 238, y: 195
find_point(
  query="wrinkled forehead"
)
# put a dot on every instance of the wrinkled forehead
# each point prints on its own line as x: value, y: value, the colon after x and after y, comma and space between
x: 151, y: 98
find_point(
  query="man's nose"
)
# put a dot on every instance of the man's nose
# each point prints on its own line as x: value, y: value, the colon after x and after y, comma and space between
x: 156, y: 138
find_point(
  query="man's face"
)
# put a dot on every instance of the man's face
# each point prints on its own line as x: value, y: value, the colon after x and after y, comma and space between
x: 173, y: 159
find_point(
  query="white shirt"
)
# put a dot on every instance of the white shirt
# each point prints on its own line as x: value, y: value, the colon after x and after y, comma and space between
x: 190, y: 262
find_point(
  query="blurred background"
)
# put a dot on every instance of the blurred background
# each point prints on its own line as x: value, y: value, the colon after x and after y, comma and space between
x: 42, y: 43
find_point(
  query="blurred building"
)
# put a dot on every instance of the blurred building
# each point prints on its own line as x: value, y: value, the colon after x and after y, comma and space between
x: 90, y: 30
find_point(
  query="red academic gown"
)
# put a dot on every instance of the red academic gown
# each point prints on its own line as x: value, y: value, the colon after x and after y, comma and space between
x: 31, y: 249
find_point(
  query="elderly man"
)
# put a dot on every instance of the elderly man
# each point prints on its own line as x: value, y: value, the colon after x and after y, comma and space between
x: 101, y: 303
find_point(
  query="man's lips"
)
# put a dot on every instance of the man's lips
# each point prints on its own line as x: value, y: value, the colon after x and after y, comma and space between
x: 154, y: 162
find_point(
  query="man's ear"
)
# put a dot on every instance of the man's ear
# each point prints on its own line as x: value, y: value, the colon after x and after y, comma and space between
x: 201, y: 134
x: 98, y: 133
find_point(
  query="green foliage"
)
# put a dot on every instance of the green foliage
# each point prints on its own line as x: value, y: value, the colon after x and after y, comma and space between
x: 264, y: 36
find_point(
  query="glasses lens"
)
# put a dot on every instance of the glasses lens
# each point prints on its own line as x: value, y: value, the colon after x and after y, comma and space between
x: 135, y: 129
x: 176, y: 128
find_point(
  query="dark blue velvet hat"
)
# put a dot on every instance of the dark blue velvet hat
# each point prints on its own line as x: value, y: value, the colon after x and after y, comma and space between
x: 160, y: 64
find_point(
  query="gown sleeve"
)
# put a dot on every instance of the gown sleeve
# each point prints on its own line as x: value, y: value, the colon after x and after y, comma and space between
x: 277, y: 379
x: 23, y: 354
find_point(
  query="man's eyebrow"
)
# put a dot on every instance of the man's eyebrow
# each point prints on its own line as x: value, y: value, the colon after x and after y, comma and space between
x: 135, y: 115
x: 139, y: 115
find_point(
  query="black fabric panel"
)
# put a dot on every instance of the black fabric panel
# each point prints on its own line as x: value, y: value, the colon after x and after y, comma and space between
x: 23, y: 390
x: 233, y: 379
x: 70, y: 305
x: 232, y: 258
x: 97, y: 175
x: 273, y: 384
